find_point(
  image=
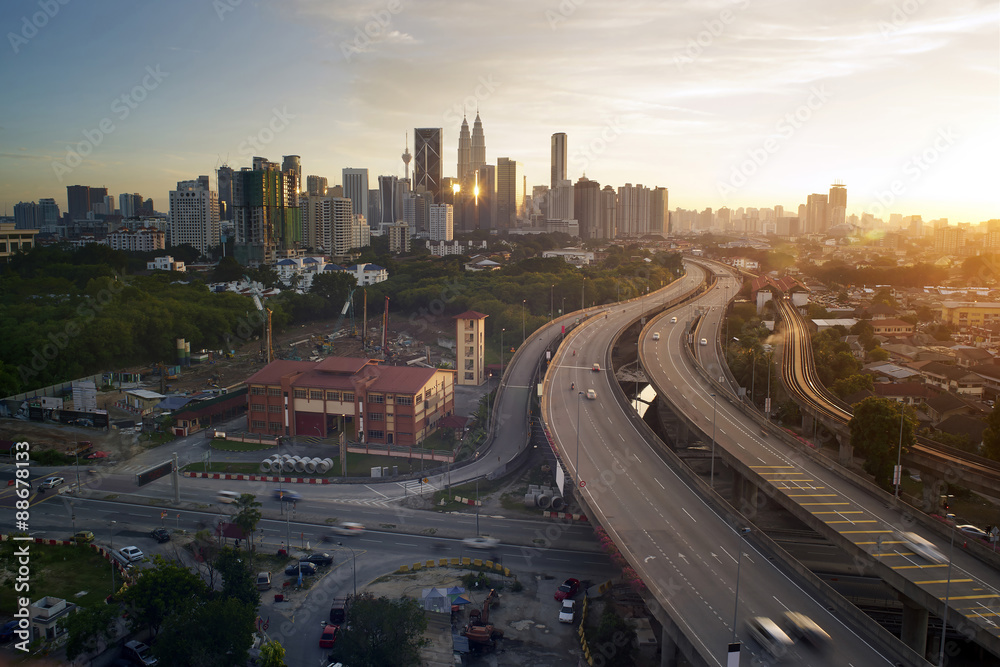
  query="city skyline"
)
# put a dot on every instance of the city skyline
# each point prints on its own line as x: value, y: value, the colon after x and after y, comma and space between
x: 726, y: 104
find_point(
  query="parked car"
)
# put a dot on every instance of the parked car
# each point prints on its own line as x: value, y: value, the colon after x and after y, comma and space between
x: 656, y: 335
x: 567, y: 611
x: 321, y: 559
x: 83, y: 537
x: 160, y: 535
x: 567, y: 589
x: 287, y: 496
x: 969, y: 529
x: 591, y: 394
x: 263, y: 581
x: 7, y: 631
x: 51, y: 483
x: 304, y: 566
x: 800, y: 626
x: 139, y: 654
x: 131, y: 554
x: 481, y: 542
x: 771, y: 638
x: 329, y: 636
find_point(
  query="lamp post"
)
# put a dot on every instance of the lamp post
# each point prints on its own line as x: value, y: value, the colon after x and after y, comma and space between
x: 767, y: 403
x: 523, y: 301
x: 898, y: 472
x: 477, y: 508
x: 739, y: 562
x: 753, y: 375
x: 354, y: 565
x: 579, y: 396
x: 947, y: 594
x: 77, y: 468
x: 583, y: 292
x: 112, y: 559
x: 501, y: 355
x: 711, y: 475
x: 563, y: 310
x: 551, y: 302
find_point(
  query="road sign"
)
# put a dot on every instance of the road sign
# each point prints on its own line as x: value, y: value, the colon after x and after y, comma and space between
x: 583, y: 483
x: 897, y: 473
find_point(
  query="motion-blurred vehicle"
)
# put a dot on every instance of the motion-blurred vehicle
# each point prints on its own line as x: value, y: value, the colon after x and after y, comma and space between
x: 481, y: 542
x: 771, y: 638
x: 800, y: 626
x: 923, y: 548
x: 969, y: 529
x: 287, y: 496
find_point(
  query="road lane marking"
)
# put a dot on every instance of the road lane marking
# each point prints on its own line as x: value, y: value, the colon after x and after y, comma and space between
x: 917, y: 567
x: 944, y: 581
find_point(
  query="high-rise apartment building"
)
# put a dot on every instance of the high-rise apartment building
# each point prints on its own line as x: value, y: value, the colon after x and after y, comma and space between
x: 608, y: 220
x: 399, y: 237
x: 816, y: 214
x: 510, y: 192
x: 316, y: 185
x: 224, y: 179
x: 374, y: 213
x: 486, y: 195
x: 558, y: 159
x: 194, y: 215
x: 97, y: 196
x: 949, y: 240
x: 26, y: 215
x: 587, y: 207
x: 659, y: 212
x: 561, y: 199
x: 391, y: 200
x: 427, y: 172
x: 266, y: 213
x: 78, y: 201
x: 442, y: 222
x: 837, y: 205
x: 48, y: 213
x: 356, y: 189
x: 130, y: 205
x: 633, y: 210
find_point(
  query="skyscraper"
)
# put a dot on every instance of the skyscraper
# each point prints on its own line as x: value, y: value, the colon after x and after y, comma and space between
x: 486, y: 195
x: 816, y: 214
x: 510, y: 192
x: 391, y: 202
x: 26, y: 215
x: 97, y: 196
x: 442, y: 222
x: 558, y: 159
x: 608, y: 221
x: 633, y: 210
x: 224, y: 179
x: 356, y: 189
x: 194, y: 215
x: 587, y: 207
x: 266, y: 212
x: 478, y: 144
x: 837, y: 205
x: 48, y: 213
x: 659, y: 212
x: 316, y: 185
x: 292, y: 163
x: 427, y: 171
x: 464, y: 153
x: 560, y: 203
x: 78, y: 201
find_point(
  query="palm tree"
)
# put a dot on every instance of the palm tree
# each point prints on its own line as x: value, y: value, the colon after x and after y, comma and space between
x: 247, y: 517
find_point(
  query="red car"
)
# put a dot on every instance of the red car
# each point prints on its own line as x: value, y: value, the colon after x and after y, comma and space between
x: 329, y: 636
x: 567, y: 590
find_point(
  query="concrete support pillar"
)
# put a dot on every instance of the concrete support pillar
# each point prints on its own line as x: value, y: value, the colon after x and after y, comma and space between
x: 807, y: 424
x: 745, y: 495
x: 846, y: 453
x: 669, y: 655
x: 914, y: 633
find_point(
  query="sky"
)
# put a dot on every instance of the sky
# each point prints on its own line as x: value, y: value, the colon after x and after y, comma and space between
x: 726, y: 103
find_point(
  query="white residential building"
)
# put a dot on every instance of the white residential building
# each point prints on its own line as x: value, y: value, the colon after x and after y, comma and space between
x: 445, y: 248
x: 194, y: 216
x: 442, y: 223
x: 368, y: 274
x: 165, y: 263
x: 141, y: 240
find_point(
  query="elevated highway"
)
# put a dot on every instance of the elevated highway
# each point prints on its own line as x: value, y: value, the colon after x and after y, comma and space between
x: 687, y: 551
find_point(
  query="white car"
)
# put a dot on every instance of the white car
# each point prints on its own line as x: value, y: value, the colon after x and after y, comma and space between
x: 568, y: 611
x: 673, y: 320
x: 969, y: 529
x: 51, y: 483
x: 656, y: 335
x: 591, y: 394
x: 348, y: 528
x: 481, y: 542
x: 131, y: 553
x: 704, y: 341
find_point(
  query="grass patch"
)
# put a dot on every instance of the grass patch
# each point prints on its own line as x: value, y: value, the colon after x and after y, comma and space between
x: 237, y: 446
x: 468, y: 490
x: 59, y: 571
x: 235, y: 468
x: 151, y: 440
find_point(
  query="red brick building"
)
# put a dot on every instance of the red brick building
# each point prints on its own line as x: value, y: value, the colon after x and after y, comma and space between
x: 394, y: 405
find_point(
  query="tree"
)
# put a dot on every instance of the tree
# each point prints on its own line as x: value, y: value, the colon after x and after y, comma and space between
x: 852, y: 384
x: 272, y: 654
x: 237, y: 578
x: 227, y: 270
x: 381, y: 633
x: 875, y: 433
x: 334, y: 286
x: 164, y: 589
x: 991, y: 436
x: 878, y: 353
x: 247, y: 517
x: 614, y: 639
x: 88, y: 627
x: 217, y: 633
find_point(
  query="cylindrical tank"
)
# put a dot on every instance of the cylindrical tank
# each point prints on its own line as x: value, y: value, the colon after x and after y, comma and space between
x: 265, y: 466
x: 558, y: 503
x: 323, y: 467
x: 300, y: 463
x: 530, y: 499
x: 288, y: 465
x: 544, y: 501
x: 180, y: 351
x: 310, y: 466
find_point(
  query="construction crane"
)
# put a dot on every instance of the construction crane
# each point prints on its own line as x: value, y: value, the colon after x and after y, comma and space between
x: 258, y: 300
x: 348, y: 306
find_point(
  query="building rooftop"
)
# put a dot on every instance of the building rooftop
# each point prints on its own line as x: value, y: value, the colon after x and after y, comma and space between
x: 471, y: 315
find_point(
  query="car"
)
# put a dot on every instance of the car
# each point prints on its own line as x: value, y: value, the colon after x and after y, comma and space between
x: 656, y: 335
x: 160, y: 535
x: 51, y: 483
x: 673, y: 320
x: 83, y: 537
x: 304, y: 566
x: 227, y: 497
x: 348, y: 528
x: 7, y: 631
x: 973, y: 531
x: 481, y: 542
x: 591, y: 394
x: 287, y: 496
x: 329, y: 636
x: 771, y: 638
x: 139, y: 654
x: 704, y: 341
x: 567, y: 611
x: 263, y: 581
x: 596, y: 368
x: 800, y: 626
x: 923, y: 548
x: 131, y: 554
x: 567, y: 589
x: 320, y: 559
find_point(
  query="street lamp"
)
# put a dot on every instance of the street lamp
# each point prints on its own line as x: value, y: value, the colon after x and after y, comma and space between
x: 739, y: 561
x: 523, y: 301
x: 711, y: 475
x: 579, y: 396
x: 898, y: 472
x: 501, y: 355
x: 583, y: 291
x: 354, y: 566
x: 551, y: 302
x: 111, y: 526
x: 947, y: 594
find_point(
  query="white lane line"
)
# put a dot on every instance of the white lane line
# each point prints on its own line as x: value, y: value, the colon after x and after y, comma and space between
x: 376, y: 491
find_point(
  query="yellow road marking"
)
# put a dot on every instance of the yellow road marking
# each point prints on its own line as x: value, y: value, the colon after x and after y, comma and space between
x: 917, y: 567
x: 943, y: 581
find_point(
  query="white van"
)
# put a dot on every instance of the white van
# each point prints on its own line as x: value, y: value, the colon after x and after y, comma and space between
x: 770, y: 636
x: 228, y: 497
